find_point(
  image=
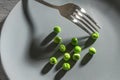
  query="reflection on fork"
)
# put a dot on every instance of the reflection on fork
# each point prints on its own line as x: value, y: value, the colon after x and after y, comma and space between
x: 77, y: 15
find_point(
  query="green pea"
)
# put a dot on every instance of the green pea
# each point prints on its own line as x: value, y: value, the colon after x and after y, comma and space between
x: 76, y: 56
x: 74, y: 41
x: 77, y: 49
x: 95, y: 35
x: 92, y: 50
x: 53, y: 60
x: 57, y: 39
x: 66, y: 56
x: 57, y: 29
x: 62, y: 48
x: 66, y: 66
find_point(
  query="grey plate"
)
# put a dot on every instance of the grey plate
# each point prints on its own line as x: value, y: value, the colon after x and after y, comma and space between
x: 19, y: 29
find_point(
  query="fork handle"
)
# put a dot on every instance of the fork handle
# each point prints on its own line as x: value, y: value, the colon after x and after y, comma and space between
x: 48, y: 4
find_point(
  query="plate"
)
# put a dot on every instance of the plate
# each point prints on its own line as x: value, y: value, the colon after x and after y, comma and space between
x: 27, y: 42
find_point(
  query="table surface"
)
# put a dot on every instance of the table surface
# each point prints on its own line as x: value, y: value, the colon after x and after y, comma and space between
x: 5, y: 7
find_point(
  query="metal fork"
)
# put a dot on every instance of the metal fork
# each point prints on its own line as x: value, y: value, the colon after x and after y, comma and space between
x: 77, y: 15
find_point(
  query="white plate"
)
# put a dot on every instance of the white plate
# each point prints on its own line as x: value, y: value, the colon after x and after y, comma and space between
x: 18, y: 31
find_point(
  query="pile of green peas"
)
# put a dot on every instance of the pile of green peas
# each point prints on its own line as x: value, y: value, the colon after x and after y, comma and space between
x: 77, y: 49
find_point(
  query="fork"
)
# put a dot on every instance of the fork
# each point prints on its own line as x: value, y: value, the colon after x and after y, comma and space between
x: 77, y: 15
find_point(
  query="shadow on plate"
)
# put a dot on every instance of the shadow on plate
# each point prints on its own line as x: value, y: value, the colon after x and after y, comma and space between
x: 28, y: 16
x: 86, y: 59
x: 60, y: 74
x: 88, y: 43
x: 46, y: 68
x: 38, y: 52
x: 49, y: 38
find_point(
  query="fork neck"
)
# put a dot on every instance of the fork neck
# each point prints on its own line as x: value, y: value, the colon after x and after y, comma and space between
x: 48, y: 4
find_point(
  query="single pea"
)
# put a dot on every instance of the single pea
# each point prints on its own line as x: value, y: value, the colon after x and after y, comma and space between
x: 57, y: 39
x: 66, y: 56
x: 95, y: 35
x: 92, y: 50
x: 77, y: 49
x: 62, y: 48
x: 74, y: 41
x: 53, y: 60
x: 76, y: 56
x: 66, y: 66
x: 57, y: 29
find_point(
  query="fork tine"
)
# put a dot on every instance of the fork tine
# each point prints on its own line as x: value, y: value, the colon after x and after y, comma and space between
x: 91, y: 20
x: 83, y: 22
x: 88, y: 18
x: 88, y: 21
x: 79, y: 24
